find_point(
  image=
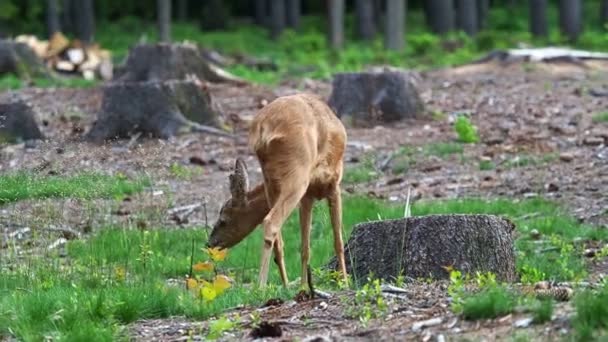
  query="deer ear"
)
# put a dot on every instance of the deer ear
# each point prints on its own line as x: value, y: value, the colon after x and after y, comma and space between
x: 239, y: 183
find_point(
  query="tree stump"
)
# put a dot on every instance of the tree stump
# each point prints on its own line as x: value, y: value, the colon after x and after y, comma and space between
x: 370, y: 98
x: 164, y: 61
x: 422, y: 246
x: 17, y: 122
x: 154, y: 108
x: 20, y: 60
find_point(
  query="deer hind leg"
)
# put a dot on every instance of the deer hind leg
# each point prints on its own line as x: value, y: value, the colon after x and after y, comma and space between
x: 289, y: 194
x: 335, y: 212
x: 279, y: 258
x: 305, y: 224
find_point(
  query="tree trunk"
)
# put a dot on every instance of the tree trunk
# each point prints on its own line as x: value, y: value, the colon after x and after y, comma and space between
x: 570, y: 18
x: 293, y: 13
x: 67, y: 16
x: 365, y: 19
x: 277, y: 8
x: 336, y: 23
x: 261, y: 12
x: 395, y: 24
x: 604, y: 14
x: 182, y: 10
x: 369, y: 98
x: 441, y: 15
x: 85, y: 20
x: 52, y: 18
x: 483, y: 7
x: 163, y: 14
x: 18, y: 122
x: 538, y: 18
x: 422, y: 246
x: 467, y: 16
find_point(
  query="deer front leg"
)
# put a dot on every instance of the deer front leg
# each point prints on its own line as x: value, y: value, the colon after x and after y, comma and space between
x: 305, y: 224
x: 285, y: 203
x: 335, y: 212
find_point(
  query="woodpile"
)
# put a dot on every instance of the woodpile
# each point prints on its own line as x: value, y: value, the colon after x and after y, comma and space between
x: 71, y: 57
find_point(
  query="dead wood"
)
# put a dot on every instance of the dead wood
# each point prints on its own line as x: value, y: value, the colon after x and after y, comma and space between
x: 371, y: 98
x: 155, y: 108
x: 20, y: 60
x: 17, y: 122
x: 164, y: 61
x: 425, y: 246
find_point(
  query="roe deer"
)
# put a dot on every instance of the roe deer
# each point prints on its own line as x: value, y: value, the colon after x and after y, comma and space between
x: 299, y: 143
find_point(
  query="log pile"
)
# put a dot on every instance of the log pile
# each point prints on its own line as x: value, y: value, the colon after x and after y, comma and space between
x: 71, y: 57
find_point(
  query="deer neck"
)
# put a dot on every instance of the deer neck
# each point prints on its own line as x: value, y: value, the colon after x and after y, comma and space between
x: 257, y: 207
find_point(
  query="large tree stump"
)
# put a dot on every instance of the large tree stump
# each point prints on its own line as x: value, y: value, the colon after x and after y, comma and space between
x: 164, y: 61
x: 157, y: 109
x: 370, y: 98
x: 422, y: 246
x: 20, y: 60
x: 17, y: 122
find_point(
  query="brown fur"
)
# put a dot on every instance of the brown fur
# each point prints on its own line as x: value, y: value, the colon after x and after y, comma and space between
x: 300, y: 144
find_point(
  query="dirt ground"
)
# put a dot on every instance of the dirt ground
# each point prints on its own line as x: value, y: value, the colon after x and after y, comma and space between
x: 520, y: 110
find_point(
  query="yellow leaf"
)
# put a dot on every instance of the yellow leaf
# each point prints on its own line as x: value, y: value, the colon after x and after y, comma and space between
x: 217, y: 254
x: 208, y: 293
x: 191, y: 283
x: 203, y: 266
x: 220, y: 283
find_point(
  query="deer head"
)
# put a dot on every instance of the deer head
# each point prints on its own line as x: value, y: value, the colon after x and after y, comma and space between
x: 241, y: 213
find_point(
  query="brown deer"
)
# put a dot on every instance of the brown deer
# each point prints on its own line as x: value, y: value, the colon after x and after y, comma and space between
x: 299, y: 143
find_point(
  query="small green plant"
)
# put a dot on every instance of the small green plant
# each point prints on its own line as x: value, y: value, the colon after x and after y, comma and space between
x: 490, y: 302
x: 368, y: 302
x: 466, y: 131
x: 219, y: 326
x: 485, y: 165
x: 182, y: 172
x: 600, y: 117
x: 361, y: 173
x: 456, y: 290
x: 542, y: 311
x: 591, y: 319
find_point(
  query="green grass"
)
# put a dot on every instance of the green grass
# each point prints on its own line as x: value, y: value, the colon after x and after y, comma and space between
x: 600, y: 117
x: 83, y: 295
x: 8, y: 82
x: 591, y: 320
x: 360, y: 173
x: 408, y: 156
x: 491, y: 302
x: 22, y: 185
x: 543, y: 310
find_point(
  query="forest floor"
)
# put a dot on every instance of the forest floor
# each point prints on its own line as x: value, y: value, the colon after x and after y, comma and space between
x: 542, y: 134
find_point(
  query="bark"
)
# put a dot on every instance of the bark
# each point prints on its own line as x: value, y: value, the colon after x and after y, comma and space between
x: 261, y: 12
x: 20, y: 60
x: 467, y: 16
x: 155, y: 108
x: 85, y: 20
x: 293, y: 13
x: 365, y: 19
x: 570, y: 18
x: 441, y: 15
x: 163, y: 13
x: 277, y: 25
x: 170, y: 62
x: 67, y: 16
x: 17, y: 122
x: 538, y: 18
x: 395, y: 24
x: 368, y: 98
x: 52, y: 18
x: 423, y: 246
x: 336, y: 23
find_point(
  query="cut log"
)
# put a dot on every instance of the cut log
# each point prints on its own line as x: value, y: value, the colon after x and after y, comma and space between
x: 545, y: 54
x: 163, y: 61
x: 19, y: 59
x: 424, y: 246
x: 18, y: 123
x: 370, y: 98
x: 154, y: 108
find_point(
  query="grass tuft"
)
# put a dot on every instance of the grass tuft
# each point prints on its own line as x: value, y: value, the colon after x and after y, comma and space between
x: 491, y: 302
x: 20, y: 186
